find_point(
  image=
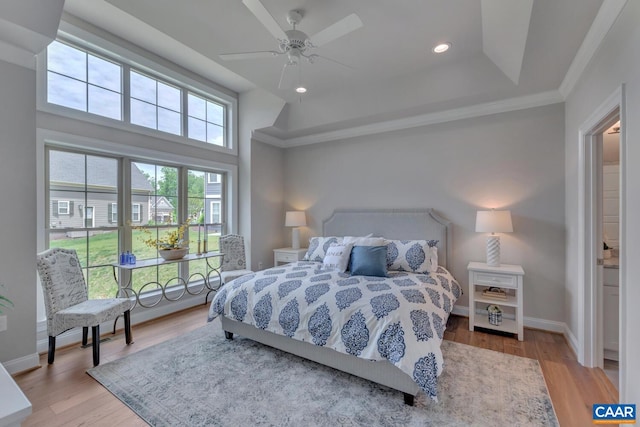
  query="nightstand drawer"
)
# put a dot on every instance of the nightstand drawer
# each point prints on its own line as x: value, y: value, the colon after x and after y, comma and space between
x: 285, y: 257
x: 494, y: 279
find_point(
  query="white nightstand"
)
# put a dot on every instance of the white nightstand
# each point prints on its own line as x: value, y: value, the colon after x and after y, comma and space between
x: 287, y: 255
x: 507, y: 277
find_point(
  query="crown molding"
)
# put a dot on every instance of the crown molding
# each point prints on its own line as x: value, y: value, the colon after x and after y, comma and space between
x: 606, y: 17
x: 268, y: 139
x: 478, y: 110
x: 16, y: 55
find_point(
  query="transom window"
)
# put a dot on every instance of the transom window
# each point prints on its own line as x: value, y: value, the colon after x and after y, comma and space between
x: 206, y: 120
x: 155, y: 104
x: 82, y: 80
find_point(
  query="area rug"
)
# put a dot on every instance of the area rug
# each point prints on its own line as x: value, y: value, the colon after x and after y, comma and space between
x: 202, y: 379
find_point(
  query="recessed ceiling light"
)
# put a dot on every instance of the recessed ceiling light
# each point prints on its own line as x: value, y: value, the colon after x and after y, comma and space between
x: 442, y: 47
x: 301, y: 89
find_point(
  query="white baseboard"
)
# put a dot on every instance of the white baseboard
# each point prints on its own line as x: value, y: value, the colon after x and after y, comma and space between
x: 611, y: 355
x: 530, y: 322
x: 572, y: 340
x: 23, y: 363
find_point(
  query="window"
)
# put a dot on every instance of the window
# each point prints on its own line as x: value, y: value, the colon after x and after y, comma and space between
x: 213, y: 178
x: 82, y: 81
x: 136, y: 212
x: 63, y: 207
x: 113, y: 213
x: 155, y: 104
x: 206, y: 120
x: 214, y: 208
x: 90, y: 183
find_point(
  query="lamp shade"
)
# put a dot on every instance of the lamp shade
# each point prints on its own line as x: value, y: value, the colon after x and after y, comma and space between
x: 295, y: 219
x: 494, y: 222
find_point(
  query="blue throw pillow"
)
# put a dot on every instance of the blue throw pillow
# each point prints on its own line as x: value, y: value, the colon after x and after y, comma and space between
x: 368, y: 261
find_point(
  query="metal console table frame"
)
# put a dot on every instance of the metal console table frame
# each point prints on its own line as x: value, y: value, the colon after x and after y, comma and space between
x: 127, y: 291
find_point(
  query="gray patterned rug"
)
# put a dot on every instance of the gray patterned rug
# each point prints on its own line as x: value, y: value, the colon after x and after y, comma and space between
x: 202, y: 379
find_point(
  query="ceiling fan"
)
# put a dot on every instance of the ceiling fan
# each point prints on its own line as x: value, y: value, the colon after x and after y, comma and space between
x: 293, y: 43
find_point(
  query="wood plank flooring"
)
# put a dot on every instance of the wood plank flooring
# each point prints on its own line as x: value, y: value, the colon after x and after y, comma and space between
x: 63, y: 394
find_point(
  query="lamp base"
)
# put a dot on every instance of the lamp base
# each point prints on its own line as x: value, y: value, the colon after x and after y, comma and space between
x: 295, y: 238
x: 493, y: 251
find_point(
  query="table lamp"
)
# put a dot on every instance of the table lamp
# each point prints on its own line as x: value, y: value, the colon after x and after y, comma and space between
x: 493, y: 222
x: 295, y: 219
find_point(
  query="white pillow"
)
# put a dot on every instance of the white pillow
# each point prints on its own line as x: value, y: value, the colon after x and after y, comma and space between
x: 337, y: 256
x: 417, y: 256
x: 365, y: 240
x: 318, y: 247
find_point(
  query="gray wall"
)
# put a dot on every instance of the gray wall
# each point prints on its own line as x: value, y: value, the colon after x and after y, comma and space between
x: 616, y: 62
x: 513, y: 160
x: 18, y: 210
x: 267, y: 192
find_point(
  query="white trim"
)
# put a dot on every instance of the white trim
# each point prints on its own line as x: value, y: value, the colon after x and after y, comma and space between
x: 17, y: 56
x: 22, y: 364
x: 68, y: 212
x: 268, y: 139
x: 478, y: 110
x: 571, y: 339
x: 139, y: 205
x: 601, y: 25
x: 590, y: 348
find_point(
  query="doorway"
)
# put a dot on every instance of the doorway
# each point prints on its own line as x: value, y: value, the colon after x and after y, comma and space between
x: 609, y: 197
x: 591, y: 237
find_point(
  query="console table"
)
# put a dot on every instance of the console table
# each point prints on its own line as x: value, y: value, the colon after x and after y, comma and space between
x: 14, y: 405
x: 127, y: 291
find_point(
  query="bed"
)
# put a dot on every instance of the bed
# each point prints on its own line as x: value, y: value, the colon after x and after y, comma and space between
x: 362, y: 325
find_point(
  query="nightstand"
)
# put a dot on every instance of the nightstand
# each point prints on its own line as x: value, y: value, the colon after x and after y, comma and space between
x: 506, y: 277
x: 287, y: 255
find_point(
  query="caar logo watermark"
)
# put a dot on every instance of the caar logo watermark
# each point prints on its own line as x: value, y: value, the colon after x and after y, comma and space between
x: 614, y: 414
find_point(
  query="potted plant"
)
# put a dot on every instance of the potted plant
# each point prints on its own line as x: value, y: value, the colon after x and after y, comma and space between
x: 171, y: 245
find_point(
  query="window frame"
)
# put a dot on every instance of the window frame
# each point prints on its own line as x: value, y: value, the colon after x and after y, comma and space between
x: 169, y: 73
x: 67, y: 211
x: 139, y: 205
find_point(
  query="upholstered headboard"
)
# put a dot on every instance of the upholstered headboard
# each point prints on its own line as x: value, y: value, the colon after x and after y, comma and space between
x: 393, y: 224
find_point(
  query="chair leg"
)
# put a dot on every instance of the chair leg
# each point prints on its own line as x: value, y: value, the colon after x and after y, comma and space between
x: 52, y: 349
x: 95, y: 337
x: 127, y: 327
x: 85, y: 334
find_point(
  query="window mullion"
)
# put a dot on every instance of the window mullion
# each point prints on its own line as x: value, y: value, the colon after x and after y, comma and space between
x: 126, y: 93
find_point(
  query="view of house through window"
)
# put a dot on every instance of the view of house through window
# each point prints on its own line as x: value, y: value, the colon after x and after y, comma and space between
x: 84, y: 214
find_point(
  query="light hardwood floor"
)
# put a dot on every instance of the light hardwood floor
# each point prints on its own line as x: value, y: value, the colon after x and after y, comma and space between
x: 63, y: 394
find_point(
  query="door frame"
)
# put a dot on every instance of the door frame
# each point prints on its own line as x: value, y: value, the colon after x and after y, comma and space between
x: 590, y: 350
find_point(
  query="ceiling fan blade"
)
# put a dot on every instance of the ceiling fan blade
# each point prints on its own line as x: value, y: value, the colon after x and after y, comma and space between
x: 337, y: 30
x: 248, y: 55
x: 324, y: 58
x: 265, y: 18
x: 287, y: 76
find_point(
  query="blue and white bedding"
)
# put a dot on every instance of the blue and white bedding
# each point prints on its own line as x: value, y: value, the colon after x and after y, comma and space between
x: 400, y: 318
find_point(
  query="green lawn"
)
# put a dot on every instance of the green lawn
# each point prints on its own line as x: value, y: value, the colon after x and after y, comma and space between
x: 104, y: 251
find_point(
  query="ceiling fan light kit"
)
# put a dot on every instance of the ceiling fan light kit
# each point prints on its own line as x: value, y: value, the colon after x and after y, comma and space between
x: 294, y: 43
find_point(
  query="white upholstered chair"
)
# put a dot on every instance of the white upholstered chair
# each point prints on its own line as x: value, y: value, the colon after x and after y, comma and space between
x: 234, y: 262
x: 67, y: 304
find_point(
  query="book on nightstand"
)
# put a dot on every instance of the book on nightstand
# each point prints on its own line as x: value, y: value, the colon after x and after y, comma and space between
x: 495, y: 293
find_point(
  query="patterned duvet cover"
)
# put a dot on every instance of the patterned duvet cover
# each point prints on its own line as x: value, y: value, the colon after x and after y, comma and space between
x: 400, y: 318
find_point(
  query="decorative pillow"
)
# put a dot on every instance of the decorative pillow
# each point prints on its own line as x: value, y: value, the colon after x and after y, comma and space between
x: 318, y: 247
x: 416, y: 256
x: 337, y: 256
x: 365, y: 240
x: 368, y: 261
